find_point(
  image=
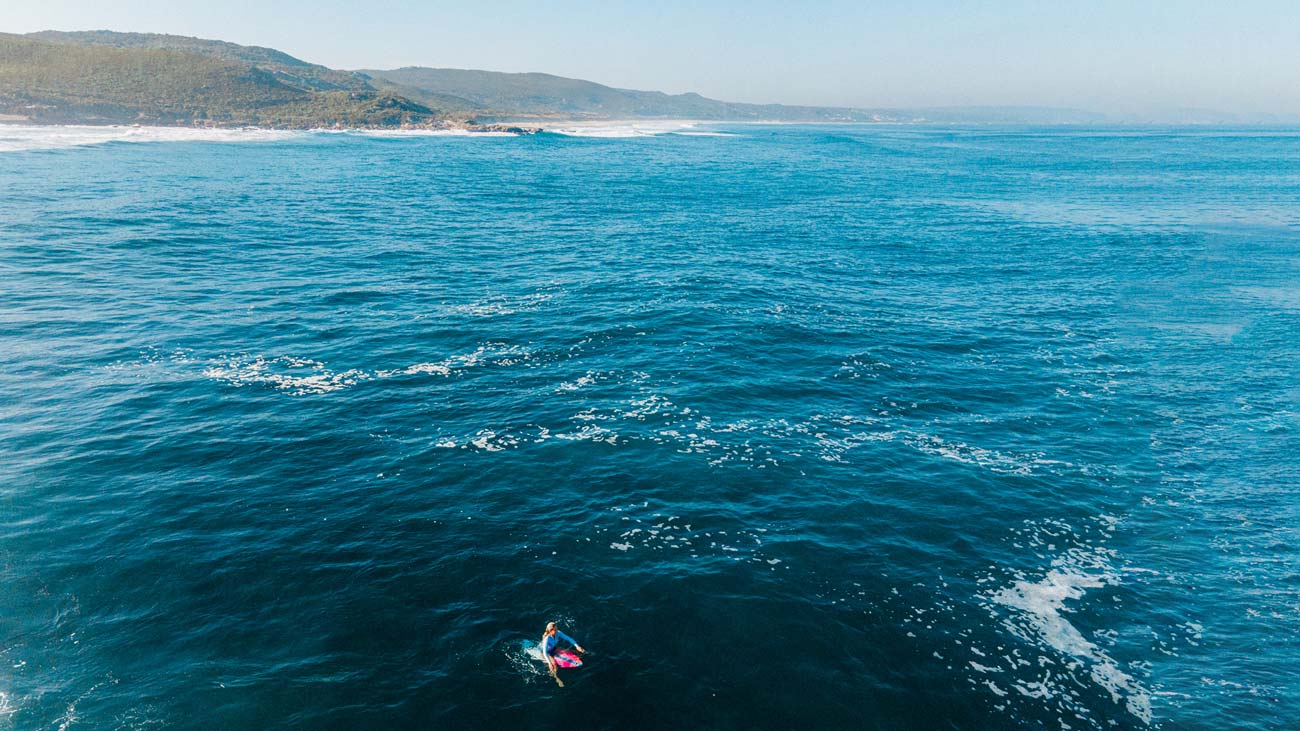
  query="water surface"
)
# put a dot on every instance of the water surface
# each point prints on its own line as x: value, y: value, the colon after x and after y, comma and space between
x: 791, y: 427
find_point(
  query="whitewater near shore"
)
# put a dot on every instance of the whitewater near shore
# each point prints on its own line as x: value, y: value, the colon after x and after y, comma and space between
x: 628, y: 127
x: 20, y: 137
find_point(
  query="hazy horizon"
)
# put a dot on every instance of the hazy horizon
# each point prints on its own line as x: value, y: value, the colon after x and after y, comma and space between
x: 1107, y: 58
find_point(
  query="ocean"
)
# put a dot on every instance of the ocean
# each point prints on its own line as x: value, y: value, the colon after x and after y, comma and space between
x: 792, y: 427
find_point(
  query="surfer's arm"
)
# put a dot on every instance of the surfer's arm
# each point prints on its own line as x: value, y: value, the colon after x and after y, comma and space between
x: 571, y: 641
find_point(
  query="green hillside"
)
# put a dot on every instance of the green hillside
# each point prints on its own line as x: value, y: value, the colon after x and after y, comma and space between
x: 69, y: 82
x: 534, y: 94
x: 107, y: 77
x: 284, y: 67
x: 102, y: 77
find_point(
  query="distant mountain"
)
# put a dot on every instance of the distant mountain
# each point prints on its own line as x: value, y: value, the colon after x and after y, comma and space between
x: 106, y: 77
x: 543, y: 95
x: 116, y: 78
x: 282, y: 66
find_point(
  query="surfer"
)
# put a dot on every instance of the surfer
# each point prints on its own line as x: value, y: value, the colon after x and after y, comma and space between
x: 550, y: 641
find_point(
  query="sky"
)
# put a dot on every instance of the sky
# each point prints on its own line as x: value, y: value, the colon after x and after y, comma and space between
x: 1137, y: 57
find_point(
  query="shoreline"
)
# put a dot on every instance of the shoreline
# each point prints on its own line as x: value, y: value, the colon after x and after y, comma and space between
x: 497, y: 128
x: 30, y: 137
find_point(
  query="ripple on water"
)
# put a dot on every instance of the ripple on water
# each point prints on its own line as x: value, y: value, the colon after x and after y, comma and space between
x: 333, y: 421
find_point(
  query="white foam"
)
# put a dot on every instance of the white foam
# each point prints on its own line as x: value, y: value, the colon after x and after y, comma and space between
x: 495, y: 306
x: 620, y: 129
x: 1043, y: 601
x: 304, y: 376
x: 579, y: 384
x: 477, y: 309
x: 295, y: 376
x: 489, y: 441
x: 598, y: 378
x: 521, y: 658
x: 7, y: 709
x: 426, y: 369
x: 22, y: 137
x: 589, y: 433
x: 412, y: 133
x: 492, y: 353
x: 1040, y: 618
x: 967, y: 454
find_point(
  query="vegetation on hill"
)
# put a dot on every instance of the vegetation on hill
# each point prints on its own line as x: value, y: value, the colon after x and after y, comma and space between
x: 286, y: 68
x: 69, y: 82
x: 106, y: 77
x: 535, y: 94
x: 109, y: 77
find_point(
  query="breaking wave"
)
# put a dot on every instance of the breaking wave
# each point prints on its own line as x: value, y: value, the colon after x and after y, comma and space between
x: 622, y: 129
x: 22, y: 138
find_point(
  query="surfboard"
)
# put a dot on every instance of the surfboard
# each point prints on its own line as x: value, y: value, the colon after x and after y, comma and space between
x: 563, y: 658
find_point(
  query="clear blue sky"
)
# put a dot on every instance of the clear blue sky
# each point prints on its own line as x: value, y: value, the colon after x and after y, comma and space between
x: 1107, y: 55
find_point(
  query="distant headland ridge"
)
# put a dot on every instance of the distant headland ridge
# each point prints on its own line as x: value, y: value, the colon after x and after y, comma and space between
x: 107, y: 77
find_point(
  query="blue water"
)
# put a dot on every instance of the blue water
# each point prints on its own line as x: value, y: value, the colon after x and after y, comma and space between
x: 797, y: 427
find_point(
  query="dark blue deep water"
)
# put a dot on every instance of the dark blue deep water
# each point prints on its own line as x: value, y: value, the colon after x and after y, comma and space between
x: 795, y: 428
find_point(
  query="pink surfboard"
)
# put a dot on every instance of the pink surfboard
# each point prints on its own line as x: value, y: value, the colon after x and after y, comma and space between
x: 563, y: 658
x: 566, y: 659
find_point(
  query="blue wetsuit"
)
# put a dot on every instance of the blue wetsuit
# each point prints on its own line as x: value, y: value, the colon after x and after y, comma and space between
x: 550, y: 641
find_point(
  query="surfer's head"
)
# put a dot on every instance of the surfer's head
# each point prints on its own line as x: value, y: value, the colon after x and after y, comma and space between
x: 550, y: 627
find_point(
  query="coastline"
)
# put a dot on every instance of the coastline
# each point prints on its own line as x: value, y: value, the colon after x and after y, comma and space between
x: 24, y: 134
x: 449, y: 127
x: 29, y: 137
x: 618, y: 127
